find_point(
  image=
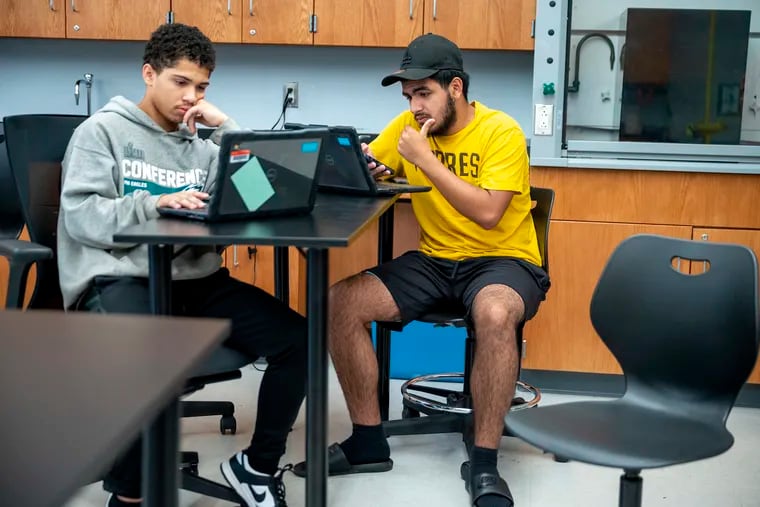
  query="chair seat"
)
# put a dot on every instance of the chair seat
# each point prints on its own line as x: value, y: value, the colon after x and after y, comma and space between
x: 222, y: 360
x: 618, y: 434
x: 444, y: 318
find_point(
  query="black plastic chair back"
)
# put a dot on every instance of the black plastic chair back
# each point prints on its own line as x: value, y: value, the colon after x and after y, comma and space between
x: 685, y: 342
x: 11, y: 220
x: 36, y: 146
x: 541, y: 214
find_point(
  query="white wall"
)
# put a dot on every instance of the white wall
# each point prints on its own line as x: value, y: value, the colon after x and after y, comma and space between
x: 336, y: 85
x: 587, y: 107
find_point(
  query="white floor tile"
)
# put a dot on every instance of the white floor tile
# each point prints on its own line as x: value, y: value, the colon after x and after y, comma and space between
x: 426, y: 468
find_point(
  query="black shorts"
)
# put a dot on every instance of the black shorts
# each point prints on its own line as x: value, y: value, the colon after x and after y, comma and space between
x: 422, y: 284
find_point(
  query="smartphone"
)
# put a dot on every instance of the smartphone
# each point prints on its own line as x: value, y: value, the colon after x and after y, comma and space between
x: 369, y: 159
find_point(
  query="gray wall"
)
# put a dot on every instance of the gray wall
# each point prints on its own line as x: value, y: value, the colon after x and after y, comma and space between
x: 336, y: 85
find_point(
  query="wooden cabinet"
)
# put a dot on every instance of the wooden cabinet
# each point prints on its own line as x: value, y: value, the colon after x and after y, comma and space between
x: 33, y: 18
x: 276, y: 21
x: 747, y: 237
x: 254, y: 264
x: 220, y: 20
x: 483, y: 24
x: 561, y: 336
x: 114, y: 19
x: 388, y: 23
x: 472, y: 24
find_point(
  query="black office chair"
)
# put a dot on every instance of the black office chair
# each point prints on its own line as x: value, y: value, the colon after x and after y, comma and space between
x: 449, y: 410
x: 36, y: 145
x: 686, y: 344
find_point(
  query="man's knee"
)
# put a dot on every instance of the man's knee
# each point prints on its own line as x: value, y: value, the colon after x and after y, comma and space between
x: 361, y: 298
x: 498, y: 308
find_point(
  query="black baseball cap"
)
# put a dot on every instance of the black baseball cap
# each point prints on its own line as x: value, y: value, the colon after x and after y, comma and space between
x: 424, y: 56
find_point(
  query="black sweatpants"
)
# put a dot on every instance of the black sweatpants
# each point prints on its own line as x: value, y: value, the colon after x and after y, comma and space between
x: 262, y: 326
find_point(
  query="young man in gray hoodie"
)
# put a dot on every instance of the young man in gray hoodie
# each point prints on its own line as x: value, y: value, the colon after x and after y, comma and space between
x: 121, y: 165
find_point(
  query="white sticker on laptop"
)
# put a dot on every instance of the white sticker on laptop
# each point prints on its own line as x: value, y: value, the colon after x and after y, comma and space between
x: 237, y: 156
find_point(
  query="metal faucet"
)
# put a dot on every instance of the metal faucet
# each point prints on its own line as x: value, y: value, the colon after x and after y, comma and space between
x: 88, y: 83
x: 576, y: 83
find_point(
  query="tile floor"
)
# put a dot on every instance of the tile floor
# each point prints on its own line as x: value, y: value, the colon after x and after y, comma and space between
x: 426, y: 468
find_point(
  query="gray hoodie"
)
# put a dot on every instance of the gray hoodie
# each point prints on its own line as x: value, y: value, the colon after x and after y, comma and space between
x: 117, y: 164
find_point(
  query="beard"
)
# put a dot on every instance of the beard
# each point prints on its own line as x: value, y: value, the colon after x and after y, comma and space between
x: 449, y: 117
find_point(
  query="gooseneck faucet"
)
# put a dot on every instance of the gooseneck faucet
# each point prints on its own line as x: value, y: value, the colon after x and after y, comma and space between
x: 576, y: 83
x: 88, y: 83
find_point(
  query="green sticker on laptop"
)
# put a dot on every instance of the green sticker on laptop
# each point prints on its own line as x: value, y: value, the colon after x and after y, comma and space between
x: 252, y: 184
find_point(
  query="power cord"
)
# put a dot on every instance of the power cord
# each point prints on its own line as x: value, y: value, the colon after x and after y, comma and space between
x: 288, y: 100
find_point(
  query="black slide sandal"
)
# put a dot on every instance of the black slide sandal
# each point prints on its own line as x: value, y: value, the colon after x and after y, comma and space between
x: 338, y: 464
x: 484, y: 484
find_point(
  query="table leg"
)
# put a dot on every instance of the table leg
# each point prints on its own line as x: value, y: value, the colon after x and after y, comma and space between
x: 316, y: 397
x: 160, y: 457
x: 383, y: 334
x: 160, y: 278
x: 281, y: 274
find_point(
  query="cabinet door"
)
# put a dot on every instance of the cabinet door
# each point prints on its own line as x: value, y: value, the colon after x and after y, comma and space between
x: 276, y: 21
x: 241, y: 261
x: 114, y: 19
x: 390, y: 23
x: 482, y: 24
x: 254, y: 264
x: 220, y: 20
x: 747, y: 237
x: 33, y: 18
x: 561, y: 336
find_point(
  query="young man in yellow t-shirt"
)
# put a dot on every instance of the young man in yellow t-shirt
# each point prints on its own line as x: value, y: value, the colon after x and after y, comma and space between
x: 478, y: 250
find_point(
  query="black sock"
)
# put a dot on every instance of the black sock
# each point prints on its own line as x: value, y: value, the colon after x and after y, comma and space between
x: 483, y: 460
x: 264, y: 466
x: 367, y: 444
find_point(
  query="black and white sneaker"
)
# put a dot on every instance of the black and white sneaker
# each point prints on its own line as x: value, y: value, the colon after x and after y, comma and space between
x: 255, y: 489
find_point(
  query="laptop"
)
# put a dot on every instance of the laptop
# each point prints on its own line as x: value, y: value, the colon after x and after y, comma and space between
x: 344, y: 169
x: 262, y: 174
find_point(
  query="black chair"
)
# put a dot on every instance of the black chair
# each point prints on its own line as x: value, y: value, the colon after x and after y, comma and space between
x: 686, y: 344
x: 450, y: 410
x: 11, y: 221
x: 36, y: 145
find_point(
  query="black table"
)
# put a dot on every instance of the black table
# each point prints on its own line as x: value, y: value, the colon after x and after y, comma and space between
x: 77, y: 388
x: 335, y: 222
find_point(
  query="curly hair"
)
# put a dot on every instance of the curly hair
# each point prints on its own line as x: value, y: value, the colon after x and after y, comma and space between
x: 172, y: 42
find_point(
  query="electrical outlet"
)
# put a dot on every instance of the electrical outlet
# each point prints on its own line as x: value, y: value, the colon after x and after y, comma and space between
x: 290, y: 89
x: 543, y: 121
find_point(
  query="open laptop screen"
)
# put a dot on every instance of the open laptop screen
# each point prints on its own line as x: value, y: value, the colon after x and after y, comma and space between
x: 266, y: 175
x: 342, y: 163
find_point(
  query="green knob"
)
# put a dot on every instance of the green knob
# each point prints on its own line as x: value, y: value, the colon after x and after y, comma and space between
x: 549, y: 89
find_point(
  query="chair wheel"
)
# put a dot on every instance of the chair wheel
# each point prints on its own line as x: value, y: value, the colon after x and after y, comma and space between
x: 560, y: 459
x: 409, y: 413
x: 228, y: 424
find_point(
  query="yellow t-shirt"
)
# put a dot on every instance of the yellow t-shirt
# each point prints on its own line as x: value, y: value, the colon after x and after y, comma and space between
x: 489, y: 153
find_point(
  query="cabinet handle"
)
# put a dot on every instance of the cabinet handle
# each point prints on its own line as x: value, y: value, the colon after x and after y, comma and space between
x: 74, y: 6
x: 411, y: 9
x: 51, y: 3
x: 250, y: 7
x: 435, y: 9
x: 235, y: 262
x: 229, y: 7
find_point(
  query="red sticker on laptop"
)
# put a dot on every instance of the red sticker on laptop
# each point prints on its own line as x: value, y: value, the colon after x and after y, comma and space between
x: 240, y: 156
